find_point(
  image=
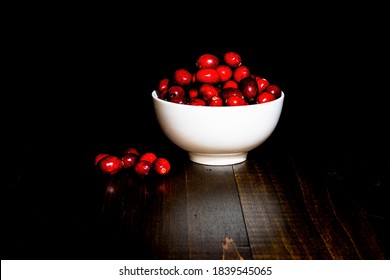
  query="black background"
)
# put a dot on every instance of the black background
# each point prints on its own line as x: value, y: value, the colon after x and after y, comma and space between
x: 87, y: 76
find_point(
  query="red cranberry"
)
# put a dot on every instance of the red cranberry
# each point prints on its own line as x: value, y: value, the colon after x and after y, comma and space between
x: 235, y: 101
x: 193, y: 92
x: 230, y: 84
x: 162, y: 166
x: 197, y: 102
x: 227, y: 92
x: 132, y: 150
x: 215, y: 101
x: 275, y: 90
x: 232, y: 59
x: 225, y: 72
x: 208, y: 76
x: 110, y: 164
x: 148, y: 156
x: 143, y: 167
x: 264, y: 97
x: 99, y: 157
x: 176, y: 94
x: 178, y: 100
x: 240, y: 73
x: 175, y: 91
x: 129, y: 160
x: 182, y: 77
x: 207, y: 91
x: 207, y: 61
x: 162, y: 88
x: 262, y: 83
x: 248, y: 87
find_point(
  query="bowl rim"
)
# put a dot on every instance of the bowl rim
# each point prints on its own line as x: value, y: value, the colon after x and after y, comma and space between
x: 279, y: 100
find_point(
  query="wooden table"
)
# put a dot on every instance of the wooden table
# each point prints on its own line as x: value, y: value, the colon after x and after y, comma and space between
x: 284, y: 202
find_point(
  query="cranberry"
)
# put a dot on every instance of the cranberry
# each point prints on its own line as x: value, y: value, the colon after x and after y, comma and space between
x: 175, y: 91
x: 129, y: 160
x: 235, y: 101
x: 241, y: 72
x: 264, y: 97
x: 262, y: 83
x: 208, y: 76
x: 176, y: 94
x: 178, y: 100
x: 225, y: 72
x: 143, y: 167
x: 132, y: 150
x: 110, y: 164
x: 207, y: 91
x: 211, y: 79
x: 197, y: 102
x: 230, y: 84
x: 182, y: 77
x: 162, y: 166
x: 193, y: 92
x: 248, y: 87
x: 227, y: 92
x: 215, y: 101
x: 275, y: 90
x: 162, y: 88
x: 99, y: 157
x: 207, y: 61
x: 148, y: 156
x: 232, y: 59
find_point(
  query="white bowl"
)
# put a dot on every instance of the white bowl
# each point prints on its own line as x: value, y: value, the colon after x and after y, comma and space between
x: 220, y: 135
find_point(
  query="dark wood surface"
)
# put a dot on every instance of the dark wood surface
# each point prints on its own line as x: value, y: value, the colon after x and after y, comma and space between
x: 283, y: 202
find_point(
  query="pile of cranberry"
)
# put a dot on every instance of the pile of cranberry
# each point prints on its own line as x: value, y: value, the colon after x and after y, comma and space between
x: 142, y: 164
x: 217, y: 82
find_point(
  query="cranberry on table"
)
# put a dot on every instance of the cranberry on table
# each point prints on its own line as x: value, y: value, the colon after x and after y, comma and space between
x: 99, y: 157
x: 110, y: 164
x: 129, y: 160
x: 148, y: 156
x: 143, y: 167
x: 132, y: 150
x: 162, y: 166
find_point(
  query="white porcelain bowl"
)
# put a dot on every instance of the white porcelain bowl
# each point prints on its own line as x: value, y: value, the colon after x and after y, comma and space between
x: 217, y: 135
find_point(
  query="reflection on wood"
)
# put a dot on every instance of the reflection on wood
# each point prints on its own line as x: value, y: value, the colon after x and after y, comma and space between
x: 230, y: 251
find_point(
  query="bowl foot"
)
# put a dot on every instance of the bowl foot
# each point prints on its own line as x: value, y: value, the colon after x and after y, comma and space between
x: 217, y: 159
